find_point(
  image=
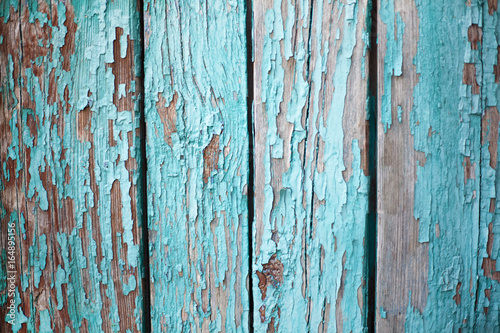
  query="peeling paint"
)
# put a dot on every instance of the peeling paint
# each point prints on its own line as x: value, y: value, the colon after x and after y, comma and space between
x: 445, y: 122
x: 68, y: 148
x: 309, y: 191
x: 197, y: 152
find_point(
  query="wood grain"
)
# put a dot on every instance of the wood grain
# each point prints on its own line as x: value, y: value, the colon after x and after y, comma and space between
x: 197, y: 155
x: 428, y: 165
x: 311, y: 165
x: 69, y: 149
x: 485, y: 39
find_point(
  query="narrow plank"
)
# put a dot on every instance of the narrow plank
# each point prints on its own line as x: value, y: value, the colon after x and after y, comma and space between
x: 70, y: 149
x: 10, y: 182
x: 485, y: 38
x: 197, y: 153
x: 428, y: 165
x: 311, y: 165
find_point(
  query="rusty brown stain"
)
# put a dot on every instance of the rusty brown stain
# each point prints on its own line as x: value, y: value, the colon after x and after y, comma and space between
x: 487, y: 294
x: 469, y: 77
x: 469, y: 169
x: 492, y: 6
x: 457, y: 297
x: 123, y: 70
x: 272, y: 274
x: 52, y: 96
x: 32, y: 33
x: 92, y: 218
x: 211, y: 157
x: 31, y: 124
x: 112, y: 142
x: 421, y: 158
x: 116, y: 203
x: 10, y: 33
x: 83, y: 124
x: 131, y: 166
x: 475, y: 34
x: 12, y: 189
x: 51, y: 221
x: 67, y: 176
x: 262, y: 311
x: 489, y: 265
x: 68, y: 49
x: 262, y: 284
x: 168, y: 116
x: 270, y: 326
x: 489, y: 129
x: 496, y: 68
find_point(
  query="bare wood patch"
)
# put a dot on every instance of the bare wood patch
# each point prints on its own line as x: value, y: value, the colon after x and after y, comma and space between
x: 469, y: 77
x: 475, y: 34
x: 168, y: 116
x: 211, y: 157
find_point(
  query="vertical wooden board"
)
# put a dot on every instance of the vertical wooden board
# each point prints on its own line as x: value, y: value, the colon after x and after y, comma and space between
x: 311, y: 165
x: 486, y: 38
x: 69, y: 151
x: 10, y: 55
x: 428, y: 165
x: 197, y: 154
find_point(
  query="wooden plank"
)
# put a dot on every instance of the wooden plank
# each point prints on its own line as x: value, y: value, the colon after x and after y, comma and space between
x: 197, y: 152
x: 428, y: 165
x: 311, y: 165
x: 485, y: 38
x: 69, y: 148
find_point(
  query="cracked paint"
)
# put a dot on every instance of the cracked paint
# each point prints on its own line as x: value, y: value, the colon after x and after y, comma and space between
x: 69, y: 148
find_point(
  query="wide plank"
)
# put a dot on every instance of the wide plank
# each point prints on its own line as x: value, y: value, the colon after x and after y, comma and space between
x: 70, y: 174
x: 429, y: 154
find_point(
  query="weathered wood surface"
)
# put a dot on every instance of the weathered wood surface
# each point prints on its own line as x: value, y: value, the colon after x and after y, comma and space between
x: 437, y: 179
x: 71, y: 166
x: 311, y: 165
x: 197, y: 153
x: 69, y: 148
x: 402, y: 262
x: 488, y: 289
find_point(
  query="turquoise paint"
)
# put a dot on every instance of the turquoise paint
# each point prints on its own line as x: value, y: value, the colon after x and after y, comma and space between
x: 132, y: 284
x: 383, y: 313
x: 195, y: 222
x: 446, y: 125
x: 313, y: 262
x: 20, y: 316
x: 45, y: 324
x: 488, y: 294
x: 197, y: 210
x: 414, y: 321
x: 393, y: 61
x: 56, y: 145
x: 400, y: 113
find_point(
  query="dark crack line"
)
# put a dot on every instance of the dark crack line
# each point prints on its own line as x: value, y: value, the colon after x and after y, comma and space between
x: 304, y: 162
x: 371, y: 221
x: 250, y: 186
x: 146, y: 279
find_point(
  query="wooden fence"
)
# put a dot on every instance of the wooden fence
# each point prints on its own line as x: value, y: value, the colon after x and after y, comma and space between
x: 239, y: 166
